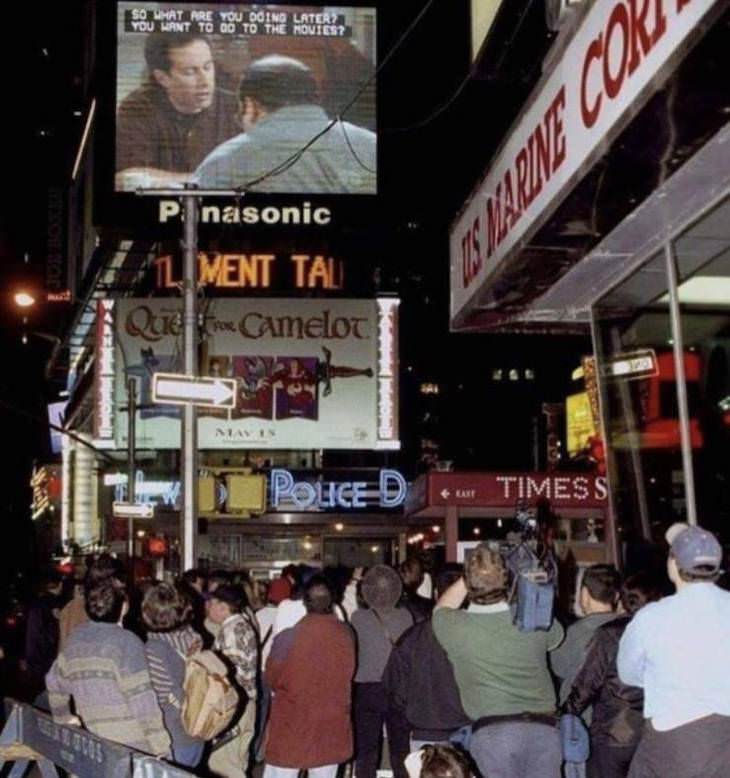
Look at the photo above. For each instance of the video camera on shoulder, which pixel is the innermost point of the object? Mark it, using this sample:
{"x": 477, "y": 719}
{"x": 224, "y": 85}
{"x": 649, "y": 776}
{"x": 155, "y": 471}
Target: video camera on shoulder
{"x": 534, "y": 574}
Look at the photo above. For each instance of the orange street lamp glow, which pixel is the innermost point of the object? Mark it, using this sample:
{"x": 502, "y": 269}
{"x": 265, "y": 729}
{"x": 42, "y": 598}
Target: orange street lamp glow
{"x": 24, "y": 300}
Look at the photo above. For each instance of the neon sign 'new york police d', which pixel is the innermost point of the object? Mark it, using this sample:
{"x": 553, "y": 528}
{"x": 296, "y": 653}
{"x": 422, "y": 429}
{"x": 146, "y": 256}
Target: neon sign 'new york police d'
{"x": 345, "y": 495}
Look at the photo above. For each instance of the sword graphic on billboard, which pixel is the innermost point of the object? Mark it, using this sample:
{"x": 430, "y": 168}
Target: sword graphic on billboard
{"x": 282, "y": 387}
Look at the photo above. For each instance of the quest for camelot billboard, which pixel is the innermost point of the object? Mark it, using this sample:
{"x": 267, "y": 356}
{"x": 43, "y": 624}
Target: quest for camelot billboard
{"x": 309, "y": 373}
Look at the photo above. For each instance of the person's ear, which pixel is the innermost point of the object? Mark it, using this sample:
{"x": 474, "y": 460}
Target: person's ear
{"x": 161, "y": 78}
{"x": 251, "y": 112}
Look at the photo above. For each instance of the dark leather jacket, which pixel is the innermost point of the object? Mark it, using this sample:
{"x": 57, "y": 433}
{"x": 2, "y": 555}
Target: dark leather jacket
{"x": 617, "y": 708}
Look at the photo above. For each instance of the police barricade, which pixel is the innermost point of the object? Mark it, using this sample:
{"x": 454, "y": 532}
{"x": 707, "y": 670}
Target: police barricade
{"x": 30, "y": 735}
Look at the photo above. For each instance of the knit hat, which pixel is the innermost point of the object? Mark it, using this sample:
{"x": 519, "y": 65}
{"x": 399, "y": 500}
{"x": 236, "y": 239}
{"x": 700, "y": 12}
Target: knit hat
{"x": 381, "y": 587}
{"x": 279, "y": 590}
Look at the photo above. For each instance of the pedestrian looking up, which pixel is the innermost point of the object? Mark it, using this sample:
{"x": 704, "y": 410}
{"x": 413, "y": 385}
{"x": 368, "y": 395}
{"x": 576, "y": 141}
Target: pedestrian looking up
{"x": 598, "y": 598}
{"x": 215, "y": 579}
{"x": 237, "y": 642}
{"x": 103, "y": 670}
{"x": 617, "y": 719}
{"x": 193, "y": 585}
{"x": 412, "y": 574}
{"x": 678, "y": 651}
{"x": 502, "y": 674}
{"x": 166, "y": 614}
{"x": 310, "y": 670}
{"x": 98, "y": 569}
{"x": 419, "y": 680}
{"x": 378, "y": 628}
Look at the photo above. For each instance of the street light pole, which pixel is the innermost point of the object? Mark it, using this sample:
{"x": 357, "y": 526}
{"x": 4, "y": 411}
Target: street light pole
{"x": 189, "y": 440}
{"x": 189, "y": 452}
{"x": 131, "y": 460}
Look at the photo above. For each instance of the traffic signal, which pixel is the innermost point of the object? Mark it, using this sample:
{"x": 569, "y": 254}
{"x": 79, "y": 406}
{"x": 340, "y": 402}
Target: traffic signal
{"x": 206, "y": 494}
{"x": 157, "y": 546}
{"x": 597, "y": 452}
{"x": 231, "y": 492}
{"x": 246, "y": 493}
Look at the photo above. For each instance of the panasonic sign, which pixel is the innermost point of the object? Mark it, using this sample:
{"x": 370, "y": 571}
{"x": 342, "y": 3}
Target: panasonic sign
{"x": 304, "y": 214}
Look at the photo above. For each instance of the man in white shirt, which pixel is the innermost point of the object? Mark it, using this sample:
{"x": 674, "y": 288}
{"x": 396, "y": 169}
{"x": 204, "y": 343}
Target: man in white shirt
{"x": 678, "y": 651}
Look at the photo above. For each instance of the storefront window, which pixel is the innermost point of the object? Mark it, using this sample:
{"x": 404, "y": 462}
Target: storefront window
{"x": 635, "y": 345}
{"x": 635, "y": 356}
{"x": 703, "y": 265}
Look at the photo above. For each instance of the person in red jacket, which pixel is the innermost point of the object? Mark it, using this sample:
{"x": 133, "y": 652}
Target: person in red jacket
{"x": 310, "y": 670}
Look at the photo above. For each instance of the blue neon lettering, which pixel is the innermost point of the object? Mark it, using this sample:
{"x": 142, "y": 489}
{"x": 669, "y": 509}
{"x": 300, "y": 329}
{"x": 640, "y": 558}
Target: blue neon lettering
{"x": 388, "y": 479}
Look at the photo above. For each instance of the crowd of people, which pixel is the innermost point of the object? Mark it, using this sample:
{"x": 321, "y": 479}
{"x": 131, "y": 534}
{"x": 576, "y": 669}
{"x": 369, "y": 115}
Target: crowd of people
{"x": 325, "y": 663}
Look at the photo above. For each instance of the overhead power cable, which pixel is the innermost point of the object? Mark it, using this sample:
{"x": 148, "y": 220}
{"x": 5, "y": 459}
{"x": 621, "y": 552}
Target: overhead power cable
{"x": 297, "y": 155}
{"x": 436, "y": 113}
{"x": 354, "y": 153}
{"x": 462, "y": 86}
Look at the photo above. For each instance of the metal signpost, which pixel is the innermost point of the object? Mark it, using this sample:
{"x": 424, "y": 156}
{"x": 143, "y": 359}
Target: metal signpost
{"x": 131, "y": 459}
{"x": 189, "y": 439}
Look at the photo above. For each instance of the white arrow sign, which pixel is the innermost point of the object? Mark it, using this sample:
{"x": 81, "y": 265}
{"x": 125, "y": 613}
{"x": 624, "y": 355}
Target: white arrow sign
{"x": 637, "y": 364}
{"x": 445, "y": 493}
{"x": 131, "y": 510}
{"x": 174, "y": 389}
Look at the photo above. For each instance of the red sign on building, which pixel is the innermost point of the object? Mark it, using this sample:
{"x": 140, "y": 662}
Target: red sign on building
{"x": 506, "y": 490}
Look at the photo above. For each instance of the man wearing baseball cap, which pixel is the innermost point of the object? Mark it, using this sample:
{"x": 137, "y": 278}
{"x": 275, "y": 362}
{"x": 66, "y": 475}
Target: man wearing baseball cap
{"x": 678, "y": 651}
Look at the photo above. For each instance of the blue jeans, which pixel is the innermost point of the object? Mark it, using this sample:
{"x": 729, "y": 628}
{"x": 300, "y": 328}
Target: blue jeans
{"x": 188, "y": 756}
{"x": 517, "y": 749}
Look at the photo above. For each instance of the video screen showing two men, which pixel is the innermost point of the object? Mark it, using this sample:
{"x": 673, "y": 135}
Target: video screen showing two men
{"x": 228, "y": 96}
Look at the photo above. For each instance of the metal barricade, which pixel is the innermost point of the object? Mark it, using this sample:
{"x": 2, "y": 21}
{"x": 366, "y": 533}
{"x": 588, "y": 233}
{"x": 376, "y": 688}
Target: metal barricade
{"x": 30, "y": 735}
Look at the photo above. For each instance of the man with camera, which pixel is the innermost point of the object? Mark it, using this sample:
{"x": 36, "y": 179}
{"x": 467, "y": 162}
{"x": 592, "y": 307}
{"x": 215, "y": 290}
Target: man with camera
{"x": 502, "y": 673}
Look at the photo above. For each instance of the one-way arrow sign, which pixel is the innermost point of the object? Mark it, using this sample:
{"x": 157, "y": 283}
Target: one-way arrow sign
{"x": 132, "y": 510}
{"x": 174, "y": 389}
{"x": 445, "y": 493}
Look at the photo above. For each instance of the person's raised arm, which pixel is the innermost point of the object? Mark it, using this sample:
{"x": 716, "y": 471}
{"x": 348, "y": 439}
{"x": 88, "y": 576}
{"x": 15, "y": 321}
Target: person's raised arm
{"x": 631, "y": 659}
{"x": 454, "y": 596}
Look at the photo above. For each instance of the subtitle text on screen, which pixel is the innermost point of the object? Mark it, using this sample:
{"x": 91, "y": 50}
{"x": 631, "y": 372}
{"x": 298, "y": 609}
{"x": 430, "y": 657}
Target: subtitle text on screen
{"x": 237, "y": 22}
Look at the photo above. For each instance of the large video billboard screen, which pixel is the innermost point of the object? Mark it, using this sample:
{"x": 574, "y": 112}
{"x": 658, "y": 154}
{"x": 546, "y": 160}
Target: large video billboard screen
{"x": 309, "y": 373}
{"x": 228, "y": 96}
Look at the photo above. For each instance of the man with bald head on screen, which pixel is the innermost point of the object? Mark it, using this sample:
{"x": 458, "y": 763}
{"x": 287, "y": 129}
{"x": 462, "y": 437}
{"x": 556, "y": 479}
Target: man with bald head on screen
{"x": 280, "y": 113}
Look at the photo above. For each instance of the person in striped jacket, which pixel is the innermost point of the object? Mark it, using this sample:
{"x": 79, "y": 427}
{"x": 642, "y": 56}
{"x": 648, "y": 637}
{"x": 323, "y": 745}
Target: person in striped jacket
{"x": 103, "y": 669}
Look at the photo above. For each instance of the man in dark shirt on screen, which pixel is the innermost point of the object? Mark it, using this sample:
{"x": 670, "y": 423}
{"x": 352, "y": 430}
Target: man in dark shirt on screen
{"x": 167, "y": 126}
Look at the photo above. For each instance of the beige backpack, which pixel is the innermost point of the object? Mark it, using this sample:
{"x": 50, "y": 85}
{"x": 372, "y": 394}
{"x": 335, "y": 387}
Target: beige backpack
{"x": 210, "y": 699}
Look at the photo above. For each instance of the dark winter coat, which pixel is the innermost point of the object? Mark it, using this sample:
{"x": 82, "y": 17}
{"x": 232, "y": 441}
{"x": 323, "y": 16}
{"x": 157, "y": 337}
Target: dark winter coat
{"x": 420, "y": 682}
{"x": 617, "y": 708}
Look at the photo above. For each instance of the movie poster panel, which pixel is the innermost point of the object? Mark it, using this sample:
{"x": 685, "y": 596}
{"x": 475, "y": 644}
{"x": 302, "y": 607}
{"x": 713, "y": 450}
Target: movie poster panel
{"x": 227, "y": 96}
{"x": 307, "y": 372}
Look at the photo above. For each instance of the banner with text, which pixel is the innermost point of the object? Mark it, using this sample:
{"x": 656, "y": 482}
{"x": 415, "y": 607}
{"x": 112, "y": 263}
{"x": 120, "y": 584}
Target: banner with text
{"x": 309, "y": 373}
{"x": 612, "y": 62}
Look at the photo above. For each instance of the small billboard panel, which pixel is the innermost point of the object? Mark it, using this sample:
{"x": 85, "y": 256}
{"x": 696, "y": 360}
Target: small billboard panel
{"x": 228, "y": 97}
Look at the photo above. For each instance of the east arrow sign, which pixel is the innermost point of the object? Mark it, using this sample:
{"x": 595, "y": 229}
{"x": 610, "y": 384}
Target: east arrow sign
{"x": 175, "y": 389}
